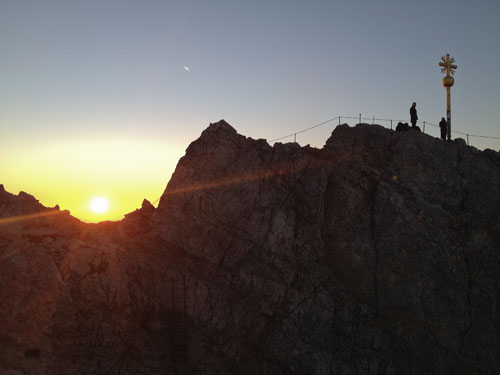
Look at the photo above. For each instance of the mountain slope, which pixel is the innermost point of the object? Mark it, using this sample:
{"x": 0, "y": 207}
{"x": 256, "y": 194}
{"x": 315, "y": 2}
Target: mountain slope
{"x": 377, "y": 254}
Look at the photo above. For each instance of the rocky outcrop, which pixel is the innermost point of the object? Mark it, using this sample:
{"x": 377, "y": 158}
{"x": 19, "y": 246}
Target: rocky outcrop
{"x": 377, "y": 254}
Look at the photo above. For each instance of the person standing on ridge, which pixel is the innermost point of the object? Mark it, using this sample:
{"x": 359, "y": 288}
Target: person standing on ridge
{"x": 444, "y": 127}
{"x": 413, "y": 115}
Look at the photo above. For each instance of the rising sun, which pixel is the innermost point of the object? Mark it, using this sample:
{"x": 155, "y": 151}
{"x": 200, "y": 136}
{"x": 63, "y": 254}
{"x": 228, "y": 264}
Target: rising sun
{"x": 99, "y": 205}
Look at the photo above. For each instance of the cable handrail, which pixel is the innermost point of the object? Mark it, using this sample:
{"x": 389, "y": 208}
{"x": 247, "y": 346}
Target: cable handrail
{"x": 373, "y": 119}
{"x": 304, "y": 130}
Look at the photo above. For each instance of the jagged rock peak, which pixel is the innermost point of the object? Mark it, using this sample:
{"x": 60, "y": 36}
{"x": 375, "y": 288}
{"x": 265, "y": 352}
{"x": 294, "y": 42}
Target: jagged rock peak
{"x": 147, "y": 206}
{"x": 219, "y": 130}
{"x": 222, "y": 133}
{"x": 217, "y": 135}
{"x": 146, "y": 209}
{"x": 27, "y": 197}
{"x": 11, "y": 204}
{"x": 220, "y": 125}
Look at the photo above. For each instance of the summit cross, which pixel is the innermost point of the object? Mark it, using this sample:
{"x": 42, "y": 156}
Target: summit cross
{"x": 447, "y": 65}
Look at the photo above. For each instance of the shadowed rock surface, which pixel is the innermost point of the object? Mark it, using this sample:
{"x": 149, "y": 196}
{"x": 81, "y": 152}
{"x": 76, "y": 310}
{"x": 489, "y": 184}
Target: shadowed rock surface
{"x": 377, "y": 254}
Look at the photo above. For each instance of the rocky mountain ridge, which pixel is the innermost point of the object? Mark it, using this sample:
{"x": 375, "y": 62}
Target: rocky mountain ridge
{"x": 377, "y": 254}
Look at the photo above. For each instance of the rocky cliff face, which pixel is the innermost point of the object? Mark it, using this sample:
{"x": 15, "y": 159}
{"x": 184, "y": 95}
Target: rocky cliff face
{"x": 377, "y": 254}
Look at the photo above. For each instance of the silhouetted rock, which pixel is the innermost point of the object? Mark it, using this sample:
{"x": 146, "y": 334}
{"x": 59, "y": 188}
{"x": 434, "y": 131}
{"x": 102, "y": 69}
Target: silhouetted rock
{"x": 402, "y": 127}
{"x": 377, "y": 254}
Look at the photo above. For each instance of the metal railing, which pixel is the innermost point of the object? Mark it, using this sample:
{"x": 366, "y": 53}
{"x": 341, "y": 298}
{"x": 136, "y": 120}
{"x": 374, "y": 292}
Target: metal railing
{"x": 360, "y": 119}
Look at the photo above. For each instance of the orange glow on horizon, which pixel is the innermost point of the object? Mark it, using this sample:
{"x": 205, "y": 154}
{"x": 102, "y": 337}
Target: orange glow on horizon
{"x": 70, "y": 172}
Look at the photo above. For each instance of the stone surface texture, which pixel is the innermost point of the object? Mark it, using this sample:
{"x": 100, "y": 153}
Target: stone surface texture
{"x": 377, "y": 254}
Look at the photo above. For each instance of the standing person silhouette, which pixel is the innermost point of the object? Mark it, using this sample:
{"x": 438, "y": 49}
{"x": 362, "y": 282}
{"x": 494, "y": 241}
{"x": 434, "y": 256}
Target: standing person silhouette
{"x": 443, "y": 124}
{"x": 413, "y": 115}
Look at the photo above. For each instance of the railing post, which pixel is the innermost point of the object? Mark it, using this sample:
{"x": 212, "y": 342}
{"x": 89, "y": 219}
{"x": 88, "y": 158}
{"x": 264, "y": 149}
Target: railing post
{"x": 391, "y": 124}
{"x": 424, "y": 126}
{"x": 467, "y": 139}
{"x": 295, "y": 138}
{"x": 360, "y": 118}
{"x": 373, "y": 120}
{"x": 340, "y": 117}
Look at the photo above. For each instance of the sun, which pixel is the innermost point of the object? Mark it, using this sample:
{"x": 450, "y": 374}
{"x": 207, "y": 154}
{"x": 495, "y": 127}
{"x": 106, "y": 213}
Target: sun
{"x": 99, "y": 205}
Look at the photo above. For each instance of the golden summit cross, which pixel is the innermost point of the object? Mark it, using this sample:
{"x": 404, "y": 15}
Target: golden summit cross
{"x": 447, "y": 65}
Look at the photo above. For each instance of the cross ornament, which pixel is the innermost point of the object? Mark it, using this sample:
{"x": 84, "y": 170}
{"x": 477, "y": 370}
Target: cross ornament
{"x": 447, "y": 65}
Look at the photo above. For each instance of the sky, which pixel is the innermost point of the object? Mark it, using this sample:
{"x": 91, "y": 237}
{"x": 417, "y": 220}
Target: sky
{"x": 96, "y": 100}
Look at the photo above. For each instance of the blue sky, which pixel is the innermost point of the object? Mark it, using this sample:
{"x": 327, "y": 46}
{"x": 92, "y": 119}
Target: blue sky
{"x": 114, "y": 70}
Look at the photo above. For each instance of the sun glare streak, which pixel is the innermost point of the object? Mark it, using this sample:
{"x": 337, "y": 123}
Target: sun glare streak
{"x": 262, "y": 174}
{"x": 14, "y": 219}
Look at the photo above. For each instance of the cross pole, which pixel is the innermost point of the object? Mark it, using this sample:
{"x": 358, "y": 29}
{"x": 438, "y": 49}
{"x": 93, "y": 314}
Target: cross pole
{"x": 448, "y": 68}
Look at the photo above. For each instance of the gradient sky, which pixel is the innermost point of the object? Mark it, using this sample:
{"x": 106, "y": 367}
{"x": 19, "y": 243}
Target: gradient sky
{"x": 95, "y": 100}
